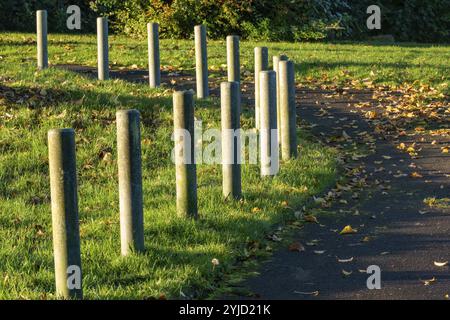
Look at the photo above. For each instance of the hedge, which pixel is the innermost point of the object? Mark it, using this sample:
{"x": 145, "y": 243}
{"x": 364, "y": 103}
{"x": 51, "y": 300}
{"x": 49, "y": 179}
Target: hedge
{"x": 272, "y": 20}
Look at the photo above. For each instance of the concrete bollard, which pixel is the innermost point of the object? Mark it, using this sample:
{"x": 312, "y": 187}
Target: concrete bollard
{"x": 276, "y": 61}
{"x": 261, "y": 63}
{"x": 186, "y": 172}
{"x": 231, "y": 142}
{"x": 201, "y": 62}
{"x": 41, "y": 33}
{"x": 288, "y": 112}
{"x": 102, "y": 48}
{"x": 233, "y": 63}
{"x": 269, "y": 148}
{"x": 64, "y": 204}
{"x": 130, "y": 181}
{"x": 153, "y": 55}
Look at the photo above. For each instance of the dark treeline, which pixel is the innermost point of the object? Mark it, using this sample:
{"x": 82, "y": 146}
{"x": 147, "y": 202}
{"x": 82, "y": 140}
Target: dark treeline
{"x": 271, "y": 20}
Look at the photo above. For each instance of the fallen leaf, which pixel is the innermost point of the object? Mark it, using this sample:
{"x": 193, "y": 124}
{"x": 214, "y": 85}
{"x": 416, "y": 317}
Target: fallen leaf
{"x": 348, "y": 230}
{"x": 428, "y": 282}
{"x": 346, "y": 273}
{"x": 296, "y": 246}
{"x": 275, "y": 238}
{"x": 441, "y": 264}
{"x": 313, "y": 293}
{"x": 310, "y": 218}
{"x": 256, "y": 210}
{"x": 284, "y": 204}
{"x": 345, "y": 260}
{"x": 401, "y": 146}
{"x": 371, "y": 114}
{"x": 107, "y": 157}
{"x": 416, "y": 175}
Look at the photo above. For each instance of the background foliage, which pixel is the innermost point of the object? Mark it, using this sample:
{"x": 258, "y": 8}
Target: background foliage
{"x": 292, "y": 20}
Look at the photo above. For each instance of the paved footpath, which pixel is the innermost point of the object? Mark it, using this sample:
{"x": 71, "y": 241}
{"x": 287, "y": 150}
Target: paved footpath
{"x": 396, "y": 230}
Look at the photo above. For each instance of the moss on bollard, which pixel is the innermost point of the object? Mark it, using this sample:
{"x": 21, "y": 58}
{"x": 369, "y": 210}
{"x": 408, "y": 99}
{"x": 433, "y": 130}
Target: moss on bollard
{"x": 102, "y": 49}
{"x": 261, "y": 64}
{"x": 230, "y": 118}
{"x": 288, "y": 112}
{"x": 201, "y": 61}
{"x": 153, "y": 55}
{"x": 130, "y": 181}
{"x": 276, "y": 62}
{"x": 233, "y": 62}
{"x": 269, "y": 148}
{"x": 186, "y": 175}
{"x": 64, "y": 204}
{"x": 41, "y": 35}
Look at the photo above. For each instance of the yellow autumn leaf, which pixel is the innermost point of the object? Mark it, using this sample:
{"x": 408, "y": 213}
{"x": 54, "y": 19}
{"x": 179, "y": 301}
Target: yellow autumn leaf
{"x": 416, "y": 175}
{"x": 256, "y": 210}
{"x": 348, "y": 230}
{"x": 371, "y": 114}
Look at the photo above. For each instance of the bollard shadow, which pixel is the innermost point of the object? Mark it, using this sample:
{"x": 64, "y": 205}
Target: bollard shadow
{"x": 173, "y": 80}
{"x": 170, "y": 80}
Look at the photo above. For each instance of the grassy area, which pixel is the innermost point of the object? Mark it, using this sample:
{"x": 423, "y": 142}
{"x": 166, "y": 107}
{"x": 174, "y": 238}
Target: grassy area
{"x": 327, "y": 62}
{"x": 179, "y": 252}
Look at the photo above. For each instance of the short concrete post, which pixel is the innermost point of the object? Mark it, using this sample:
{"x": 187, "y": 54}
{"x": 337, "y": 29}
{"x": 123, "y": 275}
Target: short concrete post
{"x": 276, "y": 61}
{"x": 41, "y": 32}
{"x": 153, "y": 55}
{"x": 64, "y": 204}
{"x": 231, "y": 142}
{"x": 233, "y": 63}
{"x": 261, "y": 63}
{"x": 269, "y": 148}
{"x": 102, "y": 48}
{"x": 288, "y": 112}
{"x": 130, "y": 181}
{"x": 201, "y": 62}
{"x": 186, "y": 173}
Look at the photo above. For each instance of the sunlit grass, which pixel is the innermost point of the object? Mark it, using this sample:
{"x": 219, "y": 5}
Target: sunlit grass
{"x": 178, "y": 253}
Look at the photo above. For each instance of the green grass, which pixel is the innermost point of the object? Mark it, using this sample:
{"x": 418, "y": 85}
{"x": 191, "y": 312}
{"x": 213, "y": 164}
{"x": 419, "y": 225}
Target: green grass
{"x": 179, "y": 252}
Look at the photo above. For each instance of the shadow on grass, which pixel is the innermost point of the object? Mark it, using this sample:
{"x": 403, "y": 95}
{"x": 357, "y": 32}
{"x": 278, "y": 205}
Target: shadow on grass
{"x": 231, "y": 229}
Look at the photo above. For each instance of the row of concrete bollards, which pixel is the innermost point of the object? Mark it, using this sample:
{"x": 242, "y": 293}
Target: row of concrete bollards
{"x": 63, "y": 177}
{"x": 275, "y": 120}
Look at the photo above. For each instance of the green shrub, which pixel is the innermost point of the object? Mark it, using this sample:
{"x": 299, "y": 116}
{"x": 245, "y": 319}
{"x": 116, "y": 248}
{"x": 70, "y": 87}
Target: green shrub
{"x": 268, "y": 20}
{"x": 258, "y": 20}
